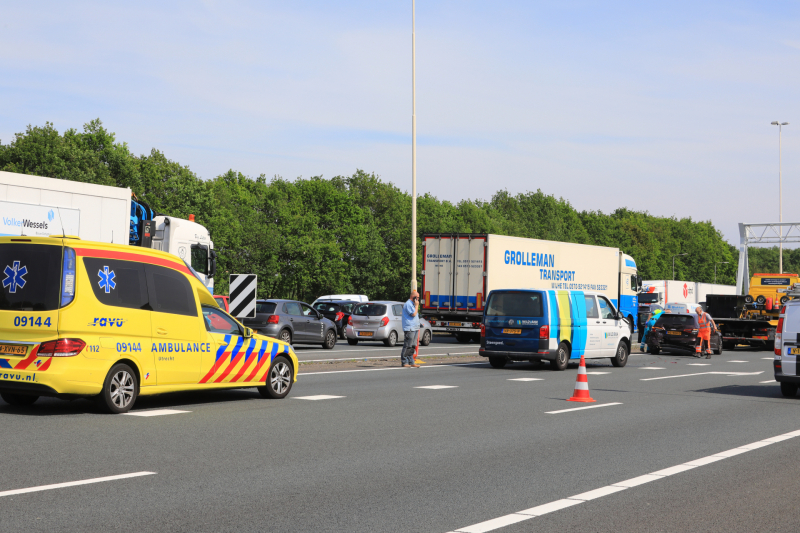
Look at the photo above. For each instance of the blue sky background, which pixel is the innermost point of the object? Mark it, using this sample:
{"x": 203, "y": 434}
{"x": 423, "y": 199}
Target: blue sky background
{"x": 663, "y": 107}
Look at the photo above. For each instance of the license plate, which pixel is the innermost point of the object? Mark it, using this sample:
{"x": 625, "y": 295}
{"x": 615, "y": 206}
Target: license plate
{"x": 455, "y": 324}
{"x": 512, "y": 331}
{"x": 365, "y": 334}
{"x": 13, "y": 349}
{"x": 673, "y": 333}
{"x": 794, "y": 351}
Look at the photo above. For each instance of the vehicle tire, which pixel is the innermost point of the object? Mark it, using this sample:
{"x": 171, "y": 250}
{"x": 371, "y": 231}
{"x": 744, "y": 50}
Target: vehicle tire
{"x": 18, "y": 400}
{"x": 631, "y": 323}
{"x": 769, "y": 346}
{"x": 728, "y": 345}
{"x": 392, "y": 340}
{"x": 463, "y": 338}
{"x": 788, "y": 389}
{"x": 352, "y": 342}
{"x": 286, "y": 336}
{"x": 655, "y": 351}
{"x": 761, "y": 300}
{"x": 498, "y": 362}
{"x": 621, "y": 358}
{"x": 330, "y": 340}
{"x": 343, "y": 335}
{"x": 562, "y": 358}
{"x": 120, "y": 390}
{"x": 784, "y": 299}
{"x": 718, "y": 351}
{"x": 748, "y": 299}
{"x": 426, "y": 339}
{"x": 279, "y": 379}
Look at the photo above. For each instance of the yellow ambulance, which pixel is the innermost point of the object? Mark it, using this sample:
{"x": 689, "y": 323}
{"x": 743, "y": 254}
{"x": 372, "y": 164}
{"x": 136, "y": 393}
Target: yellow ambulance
{"x": 89, "y": 319}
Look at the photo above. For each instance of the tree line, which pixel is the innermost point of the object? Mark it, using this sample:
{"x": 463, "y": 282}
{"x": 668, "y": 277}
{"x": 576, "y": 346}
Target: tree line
{"x": 352, "y": 234}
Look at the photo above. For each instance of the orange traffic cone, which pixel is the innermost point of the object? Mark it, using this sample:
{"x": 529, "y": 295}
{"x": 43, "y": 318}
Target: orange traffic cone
{"x": 581, "y": 393}
{"x": 416, "y": 353}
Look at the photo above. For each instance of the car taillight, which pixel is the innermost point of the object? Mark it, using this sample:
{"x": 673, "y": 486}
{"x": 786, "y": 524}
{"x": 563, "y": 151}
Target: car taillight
{"x": 384, "y": 321}
{"x": 61, "y": 348}
{"x": 350, "y": 320}
{"x": 273, "y": 319}
{"x": 778, "y": 337}
{"x": 690, "y": 330}
{"x": 483, "y": 330}
{"x": 544, "y": 332}
{"x": 339, "y": 316}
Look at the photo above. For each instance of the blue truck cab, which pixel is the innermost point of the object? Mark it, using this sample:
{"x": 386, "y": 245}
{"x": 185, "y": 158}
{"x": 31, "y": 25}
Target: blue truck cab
{"x": 552, "y": 325}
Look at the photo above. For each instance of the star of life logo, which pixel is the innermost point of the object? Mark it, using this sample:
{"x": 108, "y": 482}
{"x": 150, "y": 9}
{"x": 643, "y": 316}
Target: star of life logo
{"x": 14, "y": 277}
{"x": 106, "y": 279}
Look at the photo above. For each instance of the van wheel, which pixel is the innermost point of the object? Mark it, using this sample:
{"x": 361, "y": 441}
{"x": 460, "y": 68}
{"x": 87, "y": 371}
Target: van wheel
{"x": 788, "y": 389}
{"x": 498, "y": 362}
{"x": 392, "y": 340}
{"x": 119, "y": 390}
{"x": 279, "y": 379}
{"x": 426, "y": 339}
{"x": 330, "y": 340}
{"x": 621, "y": 359}
{"x": 18, "y": 400}
{"x": 352, "y": 342}
{"x": 562, "y": 358}
{"x": 285, "y": 336}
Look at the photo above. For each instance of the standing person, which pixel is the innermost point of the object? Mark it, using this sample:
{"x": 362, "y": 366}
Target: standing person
{"x": 648, "y": 328}
{"x": 410, "y": 330}
{"x": 703, "y": 332}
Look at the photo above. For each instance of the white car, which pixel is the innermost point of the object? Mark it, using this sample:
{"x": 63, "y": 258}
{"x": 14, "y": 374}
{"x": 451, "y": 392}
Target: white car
{"x": 787, "y": 348}
{"x": 351, "y": 297}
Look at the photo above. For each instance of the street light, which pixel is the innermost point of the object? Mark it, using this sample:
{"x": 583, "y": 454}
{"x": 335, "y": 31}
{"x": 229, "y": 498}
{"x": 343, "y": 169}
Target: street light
{"x": 780, "y": 188}
{"x": 413, "y": 151}
{"x": 715, "y": 268}
{"x": 673, "y": 264}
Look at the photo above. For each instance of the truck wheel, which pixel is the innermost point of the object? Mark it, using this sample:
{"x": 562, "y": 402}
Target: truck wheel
{"x": 120, "y": 390}
{"x": 621, "y": 358}
{"x": 352, "y": 342}
{"x": 788, "y": 389}
{"x": 728, "y": 345}
{"x": 498, "y": 362}
{"x": 330, "y": 340}
{"x": 18, "y": 400}
{"x": 426, "y": 339}
{"x": 392, "y": 340}
{"x": 562, "y": 358}
{"x": 279, "y": 379}
{"x": 463, "y": 338}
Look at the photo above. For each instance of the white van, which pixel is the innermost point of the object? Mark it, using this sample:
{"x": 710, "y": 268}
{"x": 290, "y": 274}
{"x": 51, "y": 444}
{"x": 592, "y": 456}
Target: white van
{"x": 787, "y": 348}
{"x": 352, "y": 297}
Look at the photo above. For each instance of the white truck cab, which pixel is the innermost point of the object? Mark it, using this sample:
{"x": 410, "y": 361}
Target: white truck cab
{"x": 787, "y": 348}
{"x": 188, "y": 240}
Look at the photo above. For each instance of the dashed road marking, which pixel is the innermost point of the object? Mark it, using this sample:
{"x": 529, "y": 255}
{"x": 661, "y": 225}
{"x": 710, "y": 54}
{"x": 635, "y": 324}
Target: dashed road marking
{"x": 738, "y": 361}
{"x": 526, "y": 379}
{"x": 768, "y": 381}
{"x": 598, "y": 373}
{"x": 582, "y": 408}
{"x": 437, "y": 387}
{"x": 74, "y": 483}
{"x": 317, "y": 397}
{"x": 768, "y": 358}
{"x": 653, "y": 368}
{"x": 520, "y": 516}
{"x": 705, "y": 374}
{"x": 156, "y": 412}
{"x": 698, "y": 364}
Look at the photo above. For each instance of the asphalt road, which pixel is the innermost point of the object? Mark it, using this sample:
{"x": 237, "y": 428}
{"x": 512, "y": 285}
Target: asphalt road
{"x": 381, "y": 454}
{"x": 440, "y": 345}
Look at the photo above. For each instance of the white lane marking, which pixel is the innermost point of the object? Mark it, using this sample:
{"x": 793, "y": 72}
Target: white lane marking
{"x": 582, "y": 408}
{"x": 317, "y": 397}
{"x": 768, "y": 381}
{"x": 526, "y": 379}
{"x": 706, "y": 374}
{"x": 738, "y": 361}
{"x": 356, "y": 358}
{"x": 437, "y": 387}
{"x": 366, "y": 348}
{"x": 156, "y": 412}
{"x": 698, "y": 364}
{"x": 653, "y": 368}
{"x": 74, "y": 483}
{"x": 598, "y": 373}
{"x": 513, "y": 518}
{"x": 300, "y": 374}
{"x": 768, "y": 358}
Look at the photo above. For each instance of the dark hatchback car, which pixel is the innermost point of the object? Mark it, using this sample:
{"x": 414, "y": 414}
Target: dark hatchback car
{"x": 292, "y": 322}
{"x": 337, "y": 311}
{"x": 678, "y": 333}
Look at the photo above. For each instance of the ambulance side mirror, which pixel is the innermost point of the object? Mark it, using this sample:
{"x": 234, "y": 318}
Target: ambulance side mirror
{"x": 248, "y": 333}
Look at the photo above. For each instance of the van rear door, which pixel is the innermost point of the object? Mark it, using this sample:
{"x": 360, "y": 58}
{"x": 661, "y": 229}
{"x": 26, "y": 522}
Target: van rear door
{"x": 513, "y": 320}
{"x": 31, "y": 295}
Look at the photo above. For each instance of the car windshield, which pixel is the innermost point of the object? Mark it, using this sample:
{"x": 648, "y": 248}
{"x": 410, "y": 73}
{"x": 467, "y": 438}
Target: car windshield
{"x": 648, "y": 298}
{"x": 327, "y": 307}
{"x": 675, "y": 320}
{"x": 370, "y": 310}
{"x": 347, "y": 308}
{"x": 528, "y": 304}
{"x": 266, "y": 308}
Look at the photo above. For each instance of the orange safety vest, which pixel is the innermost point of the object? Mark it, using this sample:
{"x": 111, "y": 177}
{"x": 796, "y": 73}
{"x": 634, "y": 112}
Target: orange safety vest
{"x": 704, "y": 330}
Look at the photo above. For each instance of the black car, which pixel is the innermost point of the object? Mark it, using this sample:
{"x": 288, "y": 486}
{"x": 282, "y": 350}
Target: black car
{"x": 678, "y": 332}
{"x": 292, "y": 322}
{"x": 337, "y": 311}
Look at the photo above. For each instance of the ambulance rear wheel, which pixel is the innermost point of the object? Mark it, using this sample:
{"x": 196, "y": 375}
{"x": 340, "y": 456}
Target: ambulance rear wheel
{"x": 788, "y": 389}
{"x": 498, "y": 362}
{"x": 18, "y": 400}
{"x": 279, "y": 379}
{"x": 621, "y": 358}
{"x": 120, "y": 390}
{"x": 562, "y": 358}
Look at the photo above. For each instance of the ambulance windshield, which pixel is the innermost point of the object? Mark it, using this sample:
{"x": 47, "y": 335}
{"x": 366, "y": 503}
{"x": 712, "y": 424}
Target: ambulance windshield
{"x": 31, "y": 277}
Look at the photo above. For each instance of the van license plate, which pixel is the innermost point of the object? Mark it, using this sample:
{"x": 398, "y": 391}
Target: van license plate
{"x": 673, "y": 333}
{"x": 512, "y": 331}
{"x": 13, "y": 349}
{"x": 794, "y": 351}
{"x": 365, "y": 334}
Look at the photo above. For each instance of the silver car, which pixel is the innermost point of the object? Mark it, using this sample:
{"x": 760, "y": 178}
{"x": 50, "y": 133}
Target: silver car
{"x": 382, "y": 321}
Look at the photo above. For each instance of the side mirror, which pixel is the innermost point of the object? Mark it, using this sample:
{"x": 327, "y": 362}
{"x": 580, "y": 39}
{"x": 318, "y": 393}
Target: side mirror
{"x": 248, "y": 333}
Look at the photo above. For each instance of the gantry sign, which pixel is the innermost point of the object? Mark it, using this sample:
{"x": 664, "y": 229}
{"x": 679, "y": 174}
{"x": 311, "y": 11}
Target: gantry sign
{"x": 777, "y": 233}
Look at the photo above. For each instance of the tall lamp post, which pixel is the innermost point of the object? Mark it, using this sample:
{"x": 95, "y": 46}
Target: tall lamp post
{"x": 413, "y": 150}
{"x": 673, "y": 264}
{"x": 780, "y": 188}
{"x": 715, "y": 268}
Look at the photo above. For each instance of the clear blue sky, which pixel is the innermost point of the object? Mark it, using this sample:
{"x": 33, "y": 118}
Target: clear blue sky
{"x": 663, "y": 107}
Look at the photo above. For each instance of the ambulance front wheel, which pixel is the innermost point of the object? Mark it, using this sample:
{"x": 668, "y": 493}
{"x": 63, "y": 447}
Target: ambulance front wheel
{"x": 621, "y": 357}
{"x": 279, "y": 379}
{"x": 18, "y": 400}
{"x": 120, "y": 390}
{"x": 562, "y": 358}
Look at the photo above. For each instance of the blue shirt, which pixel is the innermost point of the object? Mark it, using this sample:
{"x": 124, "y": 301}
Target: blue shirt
{"x": 410, "y": 323}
